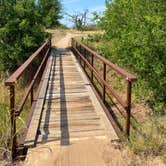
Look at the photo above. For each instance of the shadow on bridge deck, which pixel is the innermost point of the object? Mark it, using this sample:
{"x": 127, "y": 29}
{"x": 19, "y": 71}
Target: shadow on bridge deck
{"x": 70, "y": 110}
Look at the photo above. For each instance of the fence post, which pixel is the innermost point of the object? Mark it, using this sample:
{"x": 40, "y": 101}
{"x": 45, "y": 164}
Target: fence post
{"x": 129, "y": 86}
{"x": 76, "y": 49}
{"x": 13, "y": 121}
{"x": 92, "y": 63}
{"x": 104, "y": 77}
{"x": 50, "y": 44}
{"x": 80, "y": 50}
{"x": 72, "y": 43}
{"x": 84, "y": 57}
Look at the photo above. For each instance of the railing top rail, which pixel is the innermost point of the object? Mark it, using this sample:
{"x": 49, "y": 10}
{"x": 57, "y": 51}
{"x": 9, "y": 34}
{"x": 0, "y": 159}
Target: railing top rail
{"x": 15, "y": 76}
{"x": 116, "y": 68}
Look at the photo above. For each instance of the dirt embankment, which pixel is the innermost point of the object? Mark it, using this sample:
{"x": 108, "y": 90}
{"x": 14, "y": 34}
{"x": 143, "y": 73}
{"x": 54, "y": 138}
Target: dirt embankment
{"x": 97, "y": 152}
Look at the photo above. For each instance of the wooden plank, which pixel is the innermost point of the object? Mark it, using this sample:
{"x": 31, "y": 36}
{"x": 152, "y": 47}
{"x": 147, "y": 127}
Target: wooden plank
{"x": 68, "y": 118}
{"x": 65, "y": 91}
{"x": 64, "y": 74}
{"x": 67, "y": 87}
{"x": 73, "y": 132}
{"x": 73, "y": 123}
{"x": 57, "y": 136}
{"x": 73, "y": 128}
{"x": 76, "y": 108}
{"x": 64, "y": 105}
{"x": 68, "y": 99}
{"x": 55, "y": 83}
{"x": 63, "y": 80}
{"x": 69, "y": 113}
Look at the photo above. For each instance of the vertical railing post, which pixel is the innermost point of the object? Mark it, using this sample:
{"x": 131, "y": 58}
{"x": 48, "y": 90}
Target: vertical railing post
{"x": 49, "y": 48}
{"x": 129, "y": 86}
{"x": 80, "y": 56}
{"x": 76, "y": 48}
{"x": 31, "y": 78}
{"x": 13, "y": 121}
{"x": 50, "y": 44}
{"x": 92, "y": 63}
{"x": 104, "y": 77}
{"x": 72, "y": 43}
{"x": 85, "y": 57}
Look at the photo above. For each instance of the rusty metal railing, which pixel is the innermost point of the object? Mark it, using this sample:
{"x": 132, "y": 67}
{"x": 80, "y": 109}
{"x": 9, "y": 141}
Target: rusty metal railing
{"x": 42, "y": 53}
{"x": 81, "y": 51}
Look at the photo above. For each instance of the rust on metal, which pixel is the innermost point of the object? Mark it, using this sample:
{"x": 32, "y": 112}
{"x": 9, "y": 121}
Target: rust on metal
{"x": 13, "y": 78}
{"x": 31, "y": 78}
{"x": 77, "y": 47}
{"x": 129, "y": 87}
{"x": 45, "y": 48}
{"x": 13, "y": 121}
{"x": 21, "y": 139}
{"x": 31, "y": 85}
{"x": 104, "y": 77}
{"x": 103, "y": 81}
{"x": 116, "y": 68}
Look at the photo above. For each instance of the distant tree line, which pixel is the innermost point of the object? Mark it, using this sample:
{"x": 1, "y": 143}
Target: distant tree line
{"x": 22, "y": 25}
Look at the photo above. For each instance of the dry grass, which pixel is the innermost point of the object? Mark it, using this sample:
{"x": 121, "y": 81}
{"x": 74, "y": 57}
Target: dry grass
{"x": 5, "y": 137}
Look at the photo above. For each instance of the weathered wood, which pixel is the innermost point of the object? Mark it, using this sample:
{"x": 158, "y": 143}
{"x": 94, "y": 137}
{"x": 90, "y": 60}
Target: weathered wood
{"x": 68, "y": 106}
{"x": 57, "y": 136}
{"x": 81, "y": 117}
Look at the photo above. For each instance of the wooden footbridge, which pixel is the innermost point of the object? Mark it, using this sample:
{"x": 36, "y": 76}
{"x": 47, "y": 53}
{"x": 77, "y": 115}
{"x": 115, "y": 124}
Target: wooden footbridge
{"x": 64, "y": 103}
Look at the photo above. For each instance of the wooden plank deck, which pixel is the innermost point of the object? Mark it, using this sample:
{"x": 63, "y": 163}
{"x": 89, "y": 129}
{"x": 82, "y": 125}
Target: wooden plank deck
{"x": 67, "y": 108}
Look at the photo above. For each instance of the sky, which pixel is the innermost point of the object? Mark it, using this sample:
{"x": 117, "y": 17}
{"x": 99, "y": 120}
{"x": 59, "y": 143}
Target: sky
{"x": 71, "y": 6}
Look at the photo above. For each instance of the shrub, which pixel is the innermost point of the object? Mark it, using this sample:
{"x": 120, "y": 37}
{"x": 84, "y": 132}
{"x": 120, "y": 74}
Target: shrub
{"x": 136, "y": 30}
{"x": 21, "y": 32}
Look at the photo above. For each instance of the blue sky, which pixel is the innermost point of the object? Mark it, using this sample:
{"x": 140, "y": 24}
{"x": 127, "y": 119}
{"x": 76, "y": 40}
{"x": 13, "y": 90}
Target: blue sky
{"x": 71, "y": 6}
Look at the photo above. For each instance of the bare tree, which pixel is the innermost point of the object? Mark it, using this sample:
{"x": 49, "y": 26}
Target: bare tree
{"x": 79, "y": 19}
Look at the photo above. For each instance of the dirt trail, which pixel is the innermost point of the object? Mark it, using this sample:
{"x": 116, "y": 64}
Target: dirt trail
{"x": 65, "y": 41}
{"x": 94, "y": 152}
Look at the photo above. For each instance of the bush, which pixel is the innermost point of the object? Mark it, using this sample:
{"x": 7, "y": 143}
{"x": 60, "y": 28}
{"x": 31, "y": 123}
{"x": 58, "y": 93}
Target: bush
{"x": 21, "y": 32}
{"x": 136, "y": 30}
{"x": 50, "y": 11}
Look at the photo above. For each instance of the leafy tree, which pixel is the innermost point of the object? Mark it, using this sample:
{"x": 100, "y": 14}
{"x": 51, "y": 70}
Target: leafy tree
{"x": 21, "y": 32}
{"x": 50, "y": 11}
{"x": 136, "y": 30}
{"x": 97, "y": 18}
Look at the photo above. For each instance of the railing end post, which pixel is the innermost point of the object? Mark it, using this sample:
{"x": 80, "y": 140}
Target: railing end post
{"x": 128, "y": 109}
{"x": 13, "y": 121}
